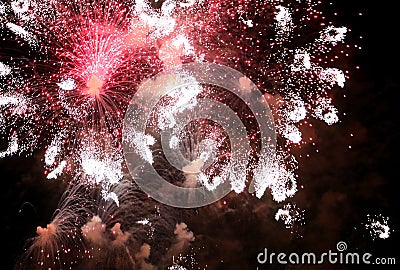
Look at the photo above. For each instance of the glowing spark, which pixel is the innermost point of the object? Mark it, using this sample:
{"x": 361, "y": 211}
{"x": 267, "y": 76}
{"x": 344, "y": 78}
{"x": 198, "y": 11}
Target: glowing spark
{"x": 20, "y": 6}
{"x": 67, "y": 84}
{"x": 333, "y": 76}
{"x": 145, "y": 221}
{"x": 292, "y": 133}
{"x": 289, "y": 214}
{"x": 4, "y": 70}
{"x": 284, "y": 22}
{"x": 20, "y": 31}
{"x": 12, "y": 147}
{"x": 301, "y": 61}
{"x": 141, "y": 142}
{"x": 326, "y": 111}
{"x": 275, "y": 176}
{"x": 378, "y": 226}
{"x": 112, "y": 196}
{"x": 333, "y": 34}
{"x": 57, "y": 171}
{"x": 176, "y": 267}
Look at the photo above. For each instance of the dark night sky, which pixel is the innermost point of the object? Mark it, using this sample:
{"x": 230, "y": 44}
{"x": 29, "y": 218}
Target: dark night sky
{"x": 342, "y": 185}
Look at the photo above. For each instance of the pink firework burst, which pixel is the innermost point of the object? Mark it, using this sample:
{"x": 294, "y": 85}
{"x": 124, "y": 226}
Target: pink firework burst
{"x": 85, "y": 60}
{"x": 77, "y": 69}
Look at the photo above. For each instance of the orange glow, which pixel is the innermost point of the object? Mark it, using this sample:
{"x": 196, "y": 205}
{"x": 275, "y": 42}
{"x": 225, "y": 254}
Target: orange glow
{"x": 94, "y": 85}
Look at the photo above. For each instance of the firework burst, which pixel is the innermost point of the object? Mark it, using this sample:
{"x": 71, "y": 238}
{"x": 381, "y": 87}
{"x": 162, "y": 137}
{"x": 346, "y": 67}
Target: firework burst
{"x": 69, "y": 69}
{"x": 76, "y": 79}
{"x": 60, "y": 244}
{"x": 81, "y": 62}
